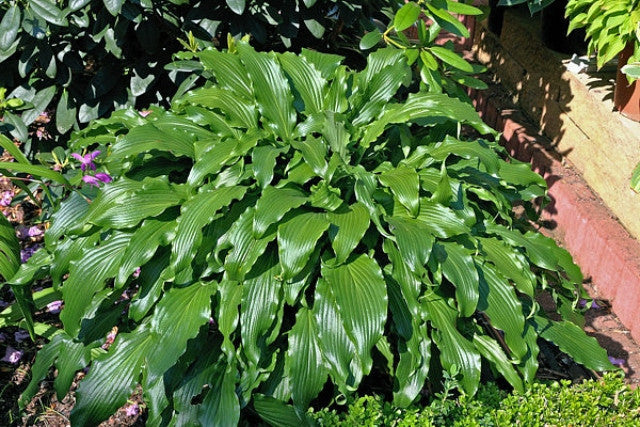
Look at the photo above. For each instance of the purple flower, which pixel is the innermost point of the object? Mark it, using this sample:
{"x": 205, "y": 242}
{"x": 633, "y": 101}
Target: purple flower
{"x": 145, "y": 113}
{"x": 28, "y": 252}
{"x": 6, "y": 197}
{"x": 3, "y": 337}
{"x": 136, "y": 273}
{"x": 132, "y": 410}
{"x": 104, "y": 177}
{"x": 86, "y": 161}
{"x": 616, "y": 361}
{"x": 54, "y": 307}
{"x": 12, "y": 355}
{"x": 3, "y": 305}
{"x": 21, "y": 335}
{"x": 98, "y": 179}
{"x": 25, "y": 232}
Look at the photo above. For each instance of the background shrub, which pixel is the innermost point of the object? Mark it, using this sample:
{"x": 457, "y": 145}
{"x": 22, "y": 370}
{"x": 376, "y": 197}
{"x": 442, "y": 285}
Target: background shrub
{"x": 81, "y": 59}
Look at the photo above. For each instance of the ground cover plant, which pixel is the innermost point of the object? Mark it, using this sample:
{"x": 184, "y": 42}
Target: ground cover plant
{"x": 606, "y": 401}
{"x": 286, "y": 232}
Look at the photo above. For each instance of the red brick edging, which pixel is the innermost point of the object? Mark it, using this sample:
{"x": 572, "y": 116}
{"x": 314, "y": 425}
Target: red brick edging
{"x": 605, "y": 251}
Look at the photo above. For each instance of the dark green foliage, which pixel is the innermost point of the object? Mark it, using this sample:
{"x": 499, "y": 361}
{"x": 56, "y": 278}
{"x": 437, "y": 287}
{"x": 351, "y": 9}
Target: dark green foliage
{"x": 333, "y": 227}
{"x": 84, "y": 58}
{"x": 607, "y": 401}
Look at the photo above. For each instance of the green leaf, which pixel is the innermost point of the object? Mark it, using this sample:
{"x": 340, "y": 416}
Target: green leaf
{"x": 297, "y": 238}
{"x": 245, "y": 249}
{"x": 220, "y": 406}
{"x": 9, "y": 249}
{"x": 432, "y": 107}
{"x": 145, "y": 138}
{"x": 261, "y": 301}
{"x": 499, "y": 301}
{"x": 458, "y": 267}
{"x": 575, "y": 342}
{"x": 99, "y": 263}
{"x": 229, "y": 72}
{"x": 237, "y": 6}
{"x": 277, "y": 413}
{"x": 370, "y": 39}
{"x": 361, "y": 297}
{"x": 415, "y": 242}
{"x": 47, "y": 10}
{"x": 195, "y": 213}
{"x": 406, "y": 16}
{"x": 490, "y": 350}
{"x": 113, "y": 6}
{"x": 337, "y": 345}
{"x": 307, "y": 80}
{"x": 405, "y": 186}
{"x": 375, "y": 86}
{"x": 455, "y": 349}
{"x": 37, "y": 171}
{"x": 635, "y": 178}
{"x": 273, "y": 205}
{"x": 70, "y": 212}
{"x": 112, "y": 378}
{"x": 144, "y": 244}
{"x": 148, "y": 198}
{"x": 303, "y": 362}
{"x": 9, "y": 27}
{"x": 351, "y": 227}
{"x": 177, "y": 318}
{"x": 44, "y": 360}
{"x": 462, "y": 8}
{"x": 65, "y": 114}
{"x": 239, "y": 111}
{"x": 272, "y": 91}
{"x": 510, "y": 263}
{"x": 263, "y": 159}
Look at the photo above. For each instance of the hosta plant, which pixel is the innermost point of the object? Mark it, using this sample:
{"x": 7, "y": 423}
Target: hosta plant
{"x": 296, "y": 227}
{"x": 610, "y": 26}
